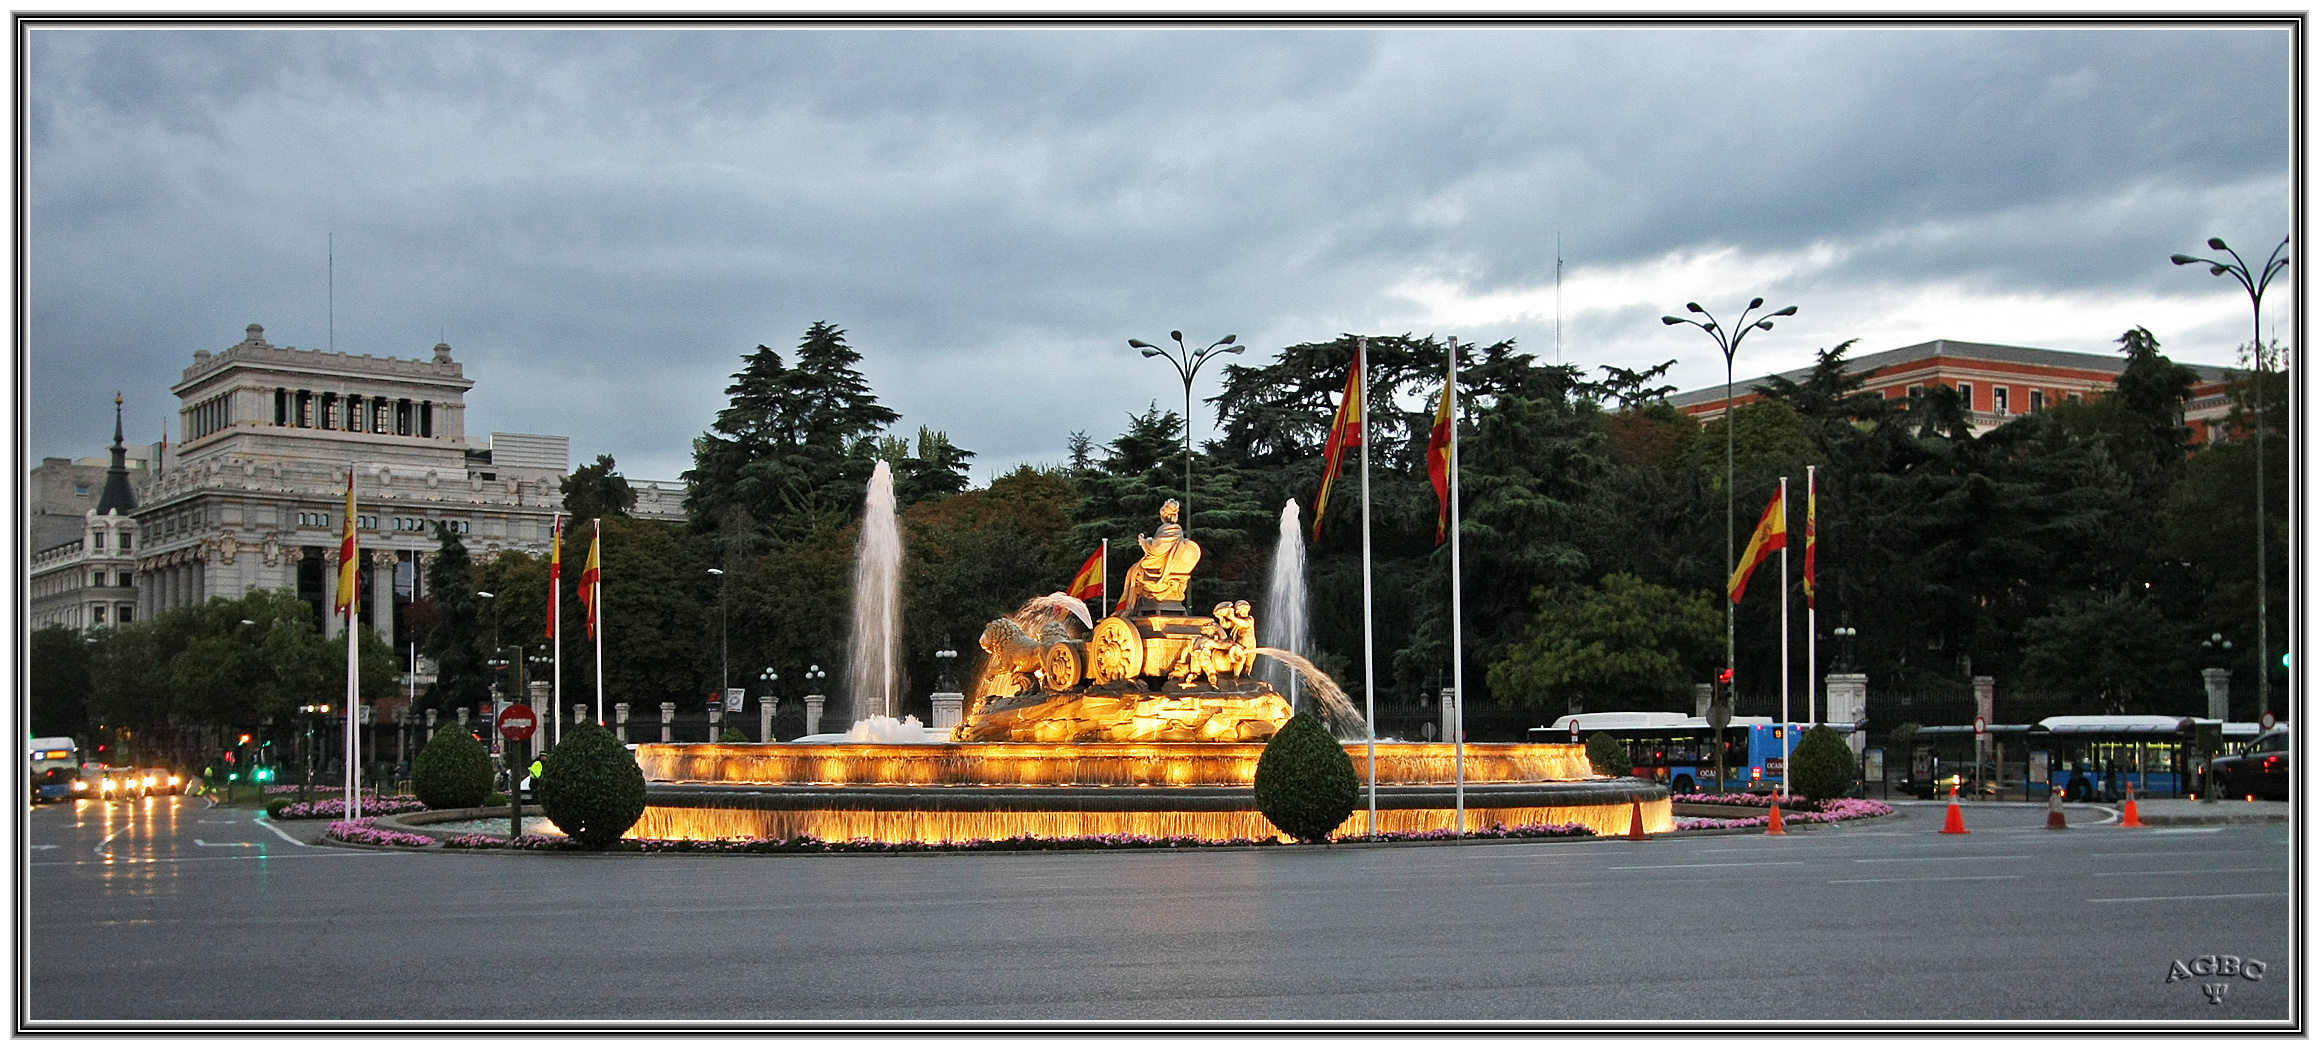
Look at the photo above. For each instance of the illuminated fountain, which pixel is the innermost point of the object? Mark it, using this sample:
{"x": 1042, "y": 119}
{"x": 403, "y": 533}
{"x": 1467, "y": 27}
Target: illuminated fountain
{"x": 877, "y": 620}
{"x": 1147, "y": 721}
{"x": 1287, "y": 616}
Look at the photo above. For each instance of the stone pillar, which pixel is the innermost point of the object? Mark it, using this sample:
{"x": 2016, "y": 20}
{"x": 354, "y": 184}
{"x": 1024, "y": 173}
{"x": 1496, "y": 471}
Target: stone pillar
{"x": 765, "y": 720}
{"x": 330, "y": 617}
{"x": 949, "y": 710}
{"x": 2217, "y": 693}
{"x": 543, "y": 705}
{"x": 1985, "y": 698}
{"x": 667, "y": 719}
{"x": 579, "y": 714}
{"x": 1702, "y": 698}
{"x": 431, "y": 713}
{"x": 1848, "y": 706}
{"x": 462, "y": 718}
{"x": 382, "y": 596}
{"x": 1449, "y": 724}
{"x": 813, "y": 706}
{"x": 716, "y": 717}
{"x": 620, "y": 721}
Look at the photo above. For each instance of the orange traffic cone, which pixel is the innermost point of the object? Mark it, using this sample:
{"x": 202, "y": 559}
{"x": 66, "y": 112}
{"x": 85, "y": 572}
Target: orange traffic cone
{"x": 1635, "y": 832}
{"x": 1776, "y": 827}
{"x": 2133, "y": 817}
{"x": 1956, "y": 824}
{"x": 2054, "y": 821}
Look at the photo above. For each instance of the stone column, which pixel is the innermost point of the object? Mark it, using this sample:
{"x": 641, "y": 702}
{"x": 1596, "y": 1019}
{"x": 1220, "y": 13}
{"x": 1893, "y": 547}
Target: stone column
{"x": 543, "y": 701}
{"x": 1848, "y": 706}
{"x": 1702, "y": 698}
{"x": 1449, "y": 715}
{"x": 620, "y": 721}
{"x": 667, "y": 719}
{"x": 382, "y": 596}
{"x": 2217, "y": 693}
{"x": 330, "y": 617}
{"x": 765, "y": 720}
{"x": 579, "y": 714}
{"x": 949, "y": 710}
{"x": 431, "y": 713}
{"x": 813, "y": 706}
{"x": 1985, "y": 698}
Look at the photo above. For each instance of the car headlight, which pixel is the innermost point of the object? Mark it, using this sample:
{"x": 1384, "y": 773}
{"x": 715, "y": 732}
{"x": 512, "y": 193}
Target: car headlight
{"x": 80, "y": 785}
{"x": 172, "y": 780}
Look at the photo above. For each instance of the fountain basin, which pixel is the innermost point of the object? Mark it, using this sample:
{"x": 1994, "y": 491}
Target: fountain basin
{"x": 969, "y": 792}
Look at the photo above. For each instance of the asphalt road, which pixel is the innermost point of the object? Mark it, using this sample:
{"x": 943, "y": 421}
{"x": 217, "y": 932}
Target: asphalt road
{"x": 170, "y": 911}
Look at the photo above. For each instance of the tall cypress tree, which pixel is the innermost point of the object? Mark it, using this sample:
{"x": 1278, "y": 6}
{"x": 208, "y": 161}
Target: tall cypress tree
{"x": 790, "y": 446}
{"x": 461, "y": 679}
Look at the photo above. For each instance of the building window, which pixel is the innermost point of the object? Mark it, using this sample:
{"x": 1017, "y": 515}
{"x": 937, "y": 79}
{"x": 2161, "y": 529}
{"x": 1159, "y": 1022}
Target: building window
{"x": 2072, "y": 396}
{"x": 1916, "y": 390}
{"x": 314, "y": 519}
{"x": 96, "y": 614}
{"x": 366, "y": 521}
{"x": 403, "y": 417}
{"x": 426, "y": 419}
{"x": 305, "y": 409}
{"x": 96, "y": 579}
{"x": 2001, "y": 399}
{"x": 127, "y": 613}
{"x": 281, "y": 407}
{"x": 80, "y": 490}
{"x": 126, "y": 539}
{"x": 122, "y": 580}
{"x": 97, "y": 540}
{"x": 1965, "y": 395}
{"x": 2037, "y": 401}
{"x": 329, "y": 412}
{"x": 354, "y": 419}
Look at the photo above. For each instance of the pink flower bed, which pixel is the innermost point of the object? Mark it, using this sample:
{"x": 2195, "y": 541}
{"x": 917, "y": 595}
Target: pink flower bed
{"x": 365, "y": 832}
{"x": 336, "y": 807}
{"x": 1829, "y": 811}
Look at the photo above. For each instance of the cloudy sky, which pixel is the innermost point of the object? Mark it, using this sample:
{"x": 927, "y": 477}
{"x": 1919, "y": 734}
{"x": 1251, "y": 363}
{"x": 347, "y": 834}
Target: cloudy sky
{"x": 601, "y": 222}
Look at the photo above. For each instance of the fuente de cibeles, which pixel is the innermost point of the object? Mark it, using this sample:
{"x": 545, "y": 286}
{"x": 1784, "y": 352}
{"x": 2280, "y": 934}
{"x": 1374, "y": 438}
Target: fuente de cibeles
{"x": 1146, "y": 722}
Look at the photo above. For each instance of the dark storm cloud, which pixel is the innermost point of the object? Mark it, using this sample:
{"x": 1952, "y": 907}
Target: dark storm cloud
{"x": 601, "y": 223}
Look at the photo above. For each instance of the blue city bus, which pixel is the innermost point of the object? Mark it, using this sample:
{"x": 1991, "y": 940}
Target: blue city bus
{"x": 2095, "y": 757}
{"x": 1678, "y": 750}
{"x": 56, "y": 764}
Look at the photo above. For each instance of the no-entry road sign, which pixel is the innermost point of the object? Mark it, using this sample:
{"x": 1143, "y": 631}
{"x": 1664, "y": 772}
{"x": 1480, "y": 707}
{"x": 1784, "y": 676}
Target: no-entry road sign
{"x": 517, "y": 722}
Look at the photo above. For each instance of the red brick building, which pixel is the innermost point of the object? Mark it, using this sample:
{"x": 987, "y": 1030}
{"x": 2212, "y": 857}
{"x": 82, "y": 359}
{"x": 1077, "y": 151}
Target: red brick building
{"x": 1998, "y": 382}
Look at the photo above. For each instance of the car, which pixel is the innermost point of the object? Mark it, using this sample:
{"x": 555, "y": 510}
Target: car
{"x": 2258, "y": 772}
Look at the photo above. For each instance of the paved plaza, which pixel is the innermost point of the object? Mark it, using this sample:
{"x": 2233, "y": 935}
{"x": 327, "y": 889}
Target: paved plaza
{"x": 171, "y": 911}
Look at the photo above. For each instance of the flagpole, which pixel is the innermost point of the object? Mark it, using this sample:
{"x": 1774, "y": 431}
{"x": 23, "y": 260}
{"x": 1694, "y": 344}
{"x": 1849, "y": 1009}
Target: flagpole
{"x": 1456, "y": 591}
{"x": 1104, "y": 605}
{"x": 1811, "y": 594}
{"x": 1786, "y": 730}
{"x": 1368, "y": 637}
{"x": 596, "y": 613}
{"x": 353, "y": 778}
{"x": 556, "y": 625}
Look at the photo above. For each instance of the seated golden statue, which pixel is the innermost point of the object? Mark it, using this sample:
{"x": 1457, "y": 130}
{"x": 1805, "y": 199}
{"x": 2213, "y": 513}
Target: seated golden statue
{"x": 1167, "y": 563}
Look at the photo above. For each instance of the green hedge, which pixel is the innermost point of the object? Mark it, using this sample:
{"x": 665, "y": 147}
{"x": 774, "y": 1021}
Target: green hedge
{"x": 1305, "y": 783}
{"x": 591, "y": 787}
{"x": 453, "y": 771}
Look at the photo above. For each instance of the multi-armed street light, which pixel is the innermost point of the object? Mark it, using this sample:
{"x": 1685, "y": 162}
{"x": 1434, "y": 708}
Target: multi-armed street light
{"x": 1728, "y": 342}
{"x": 1187, "y": 362}
{"x": 2254, "y": 283}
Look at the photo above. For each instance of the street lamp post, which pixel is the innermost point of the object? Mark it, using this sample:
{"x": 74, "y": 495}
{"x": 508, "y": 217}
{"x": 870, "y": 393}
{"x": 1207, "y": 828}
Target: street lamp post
{"x": 2237, "y": 269}
{"x": 1728, "y": 342}
{"x": 724, "y": 636}
{"x": 1187, "y": 362}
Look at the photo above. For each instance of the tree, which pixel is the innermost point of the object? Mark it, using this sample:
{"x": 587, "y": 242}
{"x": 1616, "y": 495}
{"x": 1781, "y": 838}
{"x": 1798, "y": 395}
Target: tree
{"x": 1628, "y": 645}
{"x": 790, "y": 447}
{"x": 1823, "y": 764}
{"x": 453, "y": 771}
{"x": 59, "y": 673}
{"x": 2114, "y": 654}
{"x": 461, "y": 679}
{"x": 591, "y": 787}
{"x": 597, "y": 490}
{"x": 938, "y": 469}
{"x": 1305, "y": 783}
{"x": 1609, "y": 756}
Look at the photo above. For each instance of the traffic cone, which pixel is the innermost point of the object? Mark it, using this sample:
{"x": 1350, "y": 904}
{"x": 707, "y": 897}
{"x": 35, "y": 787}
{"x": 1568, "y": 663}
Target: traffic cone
{"x": 1956, "y": 824}
{"x": 2133, "y": 817}
{"x": 1776, "y": 827}
{"x": 1635, "y": 832}
{"x": 2054, "y": 821}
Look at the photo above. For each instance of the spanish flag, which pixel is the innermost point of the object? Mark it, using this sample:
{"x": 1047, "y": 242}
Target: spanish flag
{"x": 1087, "y": 586}
{"x": 1771, "y": 534}
{"x": 349, "y": 557}
{"x": 1811, "y": 537}
{"x": 591, "y": 577}
{"x": 1437, "y": 463}
{"x": 555, "y": 574}
{"x": 1344, "y": 433}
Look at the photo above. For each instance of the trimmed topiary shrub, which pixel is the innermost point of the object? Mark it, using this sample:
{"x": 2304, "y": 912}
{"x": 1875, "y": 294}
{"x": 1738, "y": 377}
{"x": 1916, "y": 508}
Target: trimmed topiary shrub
{"x": 453, "y": 771}
{"x": 1609, "y": 756}
{"x": 1304, "y": 780}
{"x": 1823, "y": 764}
{"x": 591, "y": 787}
{"x": 733, "y": 735}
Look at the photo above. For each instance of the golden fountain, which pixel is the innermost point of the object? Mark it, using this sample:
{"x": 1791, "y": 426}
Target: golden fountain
{"x": 1150, "y": 723}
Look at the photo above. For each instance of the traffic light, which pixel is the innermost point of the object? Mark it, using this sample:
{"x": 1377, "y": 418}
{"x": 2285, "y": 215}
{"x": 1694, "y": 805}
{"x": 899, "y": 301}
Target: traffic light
{"x": 245, "y": 738}
{"x": 229, "y": 758}
{"x": 263, "y": 774}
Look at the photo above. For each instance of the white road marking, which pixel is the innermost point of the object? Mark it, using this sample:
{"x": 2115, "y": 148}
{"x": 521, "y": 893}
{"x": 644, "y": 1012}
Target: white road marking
{"x": 1931, "y": 878}
{"x": 2182, "y": 871}
{"x": 214, "y": 845}
{"x": 2186, "y": 831}
{"x": 2181, "y": 852}
{"x": 1722, "y": 864}
{"x": 39, "y": 846}
{"x": 1913, "y": 860}
{"x": 2198, "y": 897}
{"x": 269, "y": 826}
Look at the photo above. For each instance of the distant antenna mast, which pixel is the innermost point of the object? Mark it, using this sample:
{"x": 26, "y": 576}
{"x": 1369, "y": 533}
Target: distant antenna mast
{"x": 330, "y": 254}
{"x": 1558, "y": 297}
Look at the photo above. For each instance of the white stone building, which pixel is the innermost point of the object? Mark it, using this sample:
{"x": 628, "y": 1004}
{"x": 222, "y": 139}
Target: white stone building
{"x": 255, "y": 493}
{"x": 83, "y": 571}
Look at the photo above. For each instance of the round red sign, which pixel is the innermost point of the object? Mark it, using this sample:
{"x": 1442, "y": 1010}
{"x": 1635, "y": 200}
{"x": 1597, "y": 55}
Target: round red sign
{"x": 517, "y": 722}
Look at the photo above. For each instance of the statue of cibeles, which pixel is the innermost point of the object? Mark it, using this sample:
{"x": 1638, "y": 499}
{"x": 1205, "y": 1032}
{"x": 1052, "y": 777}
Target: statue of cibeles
{"x": 1166, "y": 566}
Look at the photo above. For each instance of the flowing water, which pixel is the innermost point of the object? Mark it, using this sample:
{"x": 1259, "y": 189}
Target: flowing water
{"x": 1287, "y": 619}
{"x": 1344, "y": 721}
{"x": 877, "y": 621}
